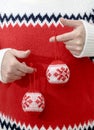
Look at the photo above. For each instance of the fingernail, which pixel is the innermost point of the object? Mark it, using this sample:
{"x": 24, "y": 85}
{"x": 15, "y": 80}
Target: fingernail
{"x": 51, "y": 39}
{"x": 35, "y": 69}
{"x": 27, "y": 51}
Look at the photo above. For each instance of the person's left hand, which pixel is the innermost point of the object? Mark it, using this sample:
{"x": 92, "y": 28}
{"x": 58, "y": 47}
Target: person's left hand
{"x": 74, "y": 40}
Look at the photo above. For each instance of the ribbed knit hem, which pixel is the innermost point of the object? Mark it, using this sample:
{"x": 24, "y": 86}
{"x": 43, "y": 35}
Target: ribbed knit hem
{"x": 88, "y": 50}
{"x": 2, "y": 52}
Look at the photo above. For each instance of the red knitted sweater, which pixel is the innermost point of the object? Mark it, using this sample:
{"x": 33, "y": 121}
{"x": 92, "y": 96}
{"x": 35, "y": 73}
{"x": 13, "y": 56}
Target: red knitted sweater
{"x": 67, "y": 104}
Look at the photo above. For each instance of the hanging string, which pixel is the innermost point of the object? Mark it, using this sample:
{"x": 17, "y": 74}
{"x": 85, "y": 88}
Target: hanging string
{"x": 56, "y": 49}
{"x": 32, "y": 86}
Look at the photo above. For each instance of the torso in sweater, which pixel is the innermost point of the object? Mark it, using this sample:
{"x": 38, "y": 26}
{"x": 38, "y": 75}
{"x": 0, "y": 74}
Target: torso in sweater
{"x": 28, "y": 24}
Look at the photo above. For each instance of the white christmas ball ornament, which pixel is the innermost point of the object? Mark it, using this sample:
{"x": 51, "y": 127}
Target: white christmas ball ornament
{"x": 58, "y": 72}
{"x": 33, "y": 102}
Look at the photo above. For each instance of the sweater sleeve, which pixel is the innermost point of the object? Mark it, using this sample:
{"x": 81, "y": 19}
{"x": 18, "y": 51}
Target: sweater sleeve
{"x": 2, "y": 52}
{"x": 88, "y": 49}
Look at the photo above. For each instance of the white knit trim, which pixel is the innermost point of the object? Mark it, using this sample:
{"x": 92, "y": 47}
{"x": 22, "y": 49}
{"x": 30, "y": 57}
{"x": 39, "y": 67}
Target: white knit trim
{"x": 23, "y": 126}
{"x": 88, "y": 49}
{"x": 2, "y": 52}
{"x": 31, "y": 22}
{"x": 49, "y": 6}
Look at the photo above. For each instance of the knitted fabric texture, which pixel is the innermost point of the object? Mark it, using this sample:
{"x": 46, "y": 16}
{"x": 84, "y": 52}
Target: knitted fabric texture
{"x": 29, "y": 25}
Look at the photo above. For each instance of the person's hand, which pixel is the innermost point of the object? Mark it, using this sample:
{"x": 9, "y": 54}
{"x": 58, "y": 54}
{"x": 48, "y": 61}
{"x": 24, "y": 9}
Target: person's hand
{"x": 11, "y": 68}
{"x": 74, "y": 40}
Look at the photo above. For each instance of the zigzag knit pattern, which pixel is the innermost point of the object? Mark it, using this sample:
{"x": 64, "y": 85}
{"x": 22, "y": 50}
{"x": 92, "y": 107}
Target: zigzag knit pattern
{"x": 10, "y": 15}
{"x": 8, "y": 124}
{"x": 41, "y": 18}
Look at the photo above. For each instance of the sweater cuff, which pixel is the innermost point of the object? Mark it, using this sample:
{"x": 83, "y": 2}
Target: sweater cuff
{"x": 88, "y": 50}
{"x": 2, "y": 52}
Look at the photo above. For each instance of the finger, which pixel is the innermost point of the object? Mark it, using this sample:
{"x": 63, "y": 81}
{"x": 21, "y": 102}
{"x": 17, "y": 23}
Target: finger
{"x": 70, "y": 23}
{"x": 70, "y": 48}
{"x": 12, "y": 78}
{"x": 75, "y": 48}
{"x": 24, "y": 68}
{"x": 16, "y": 73}
{"x": 63, "y": 37}
{"x": 19, "y": 73}
{"x": 20, "y": 54}
{"x": 74, "y": 53}
{"x": 72, "y": 42}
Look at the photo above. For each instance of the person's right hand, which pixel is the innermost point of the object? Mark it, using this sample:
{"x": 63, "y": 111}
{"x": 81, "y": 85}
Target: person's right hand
{"x": 11, "y": 68}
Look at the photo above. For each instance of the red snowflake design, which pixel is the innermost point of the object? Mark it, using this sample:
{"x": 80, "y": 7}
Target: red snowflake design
{"x": 26, "y": 101}
{"x": 62, "y": 73}
{"x": 48, "y": 74}
{"x": 40, "y": 102}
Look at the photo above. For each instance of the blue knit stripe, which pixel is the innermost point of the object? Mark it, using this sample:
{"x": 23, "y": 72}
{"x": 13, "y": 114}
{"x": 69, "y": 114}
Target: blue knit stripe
{"x": 46, "y": 17}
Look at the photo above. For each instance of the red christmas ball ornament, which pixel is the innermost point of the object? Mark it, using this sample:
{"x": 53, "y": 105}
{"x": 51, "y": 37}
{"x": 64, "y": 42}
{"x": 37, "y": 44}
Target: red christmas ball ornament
{"x": 58, "y": 72}
{"x": 33, "y": 102}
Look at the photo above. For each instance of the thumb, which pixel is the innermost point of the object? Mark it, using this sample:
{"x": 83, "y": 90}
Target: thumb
{"x": 70, "y": 23}
{"x": 20, "y": 54}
